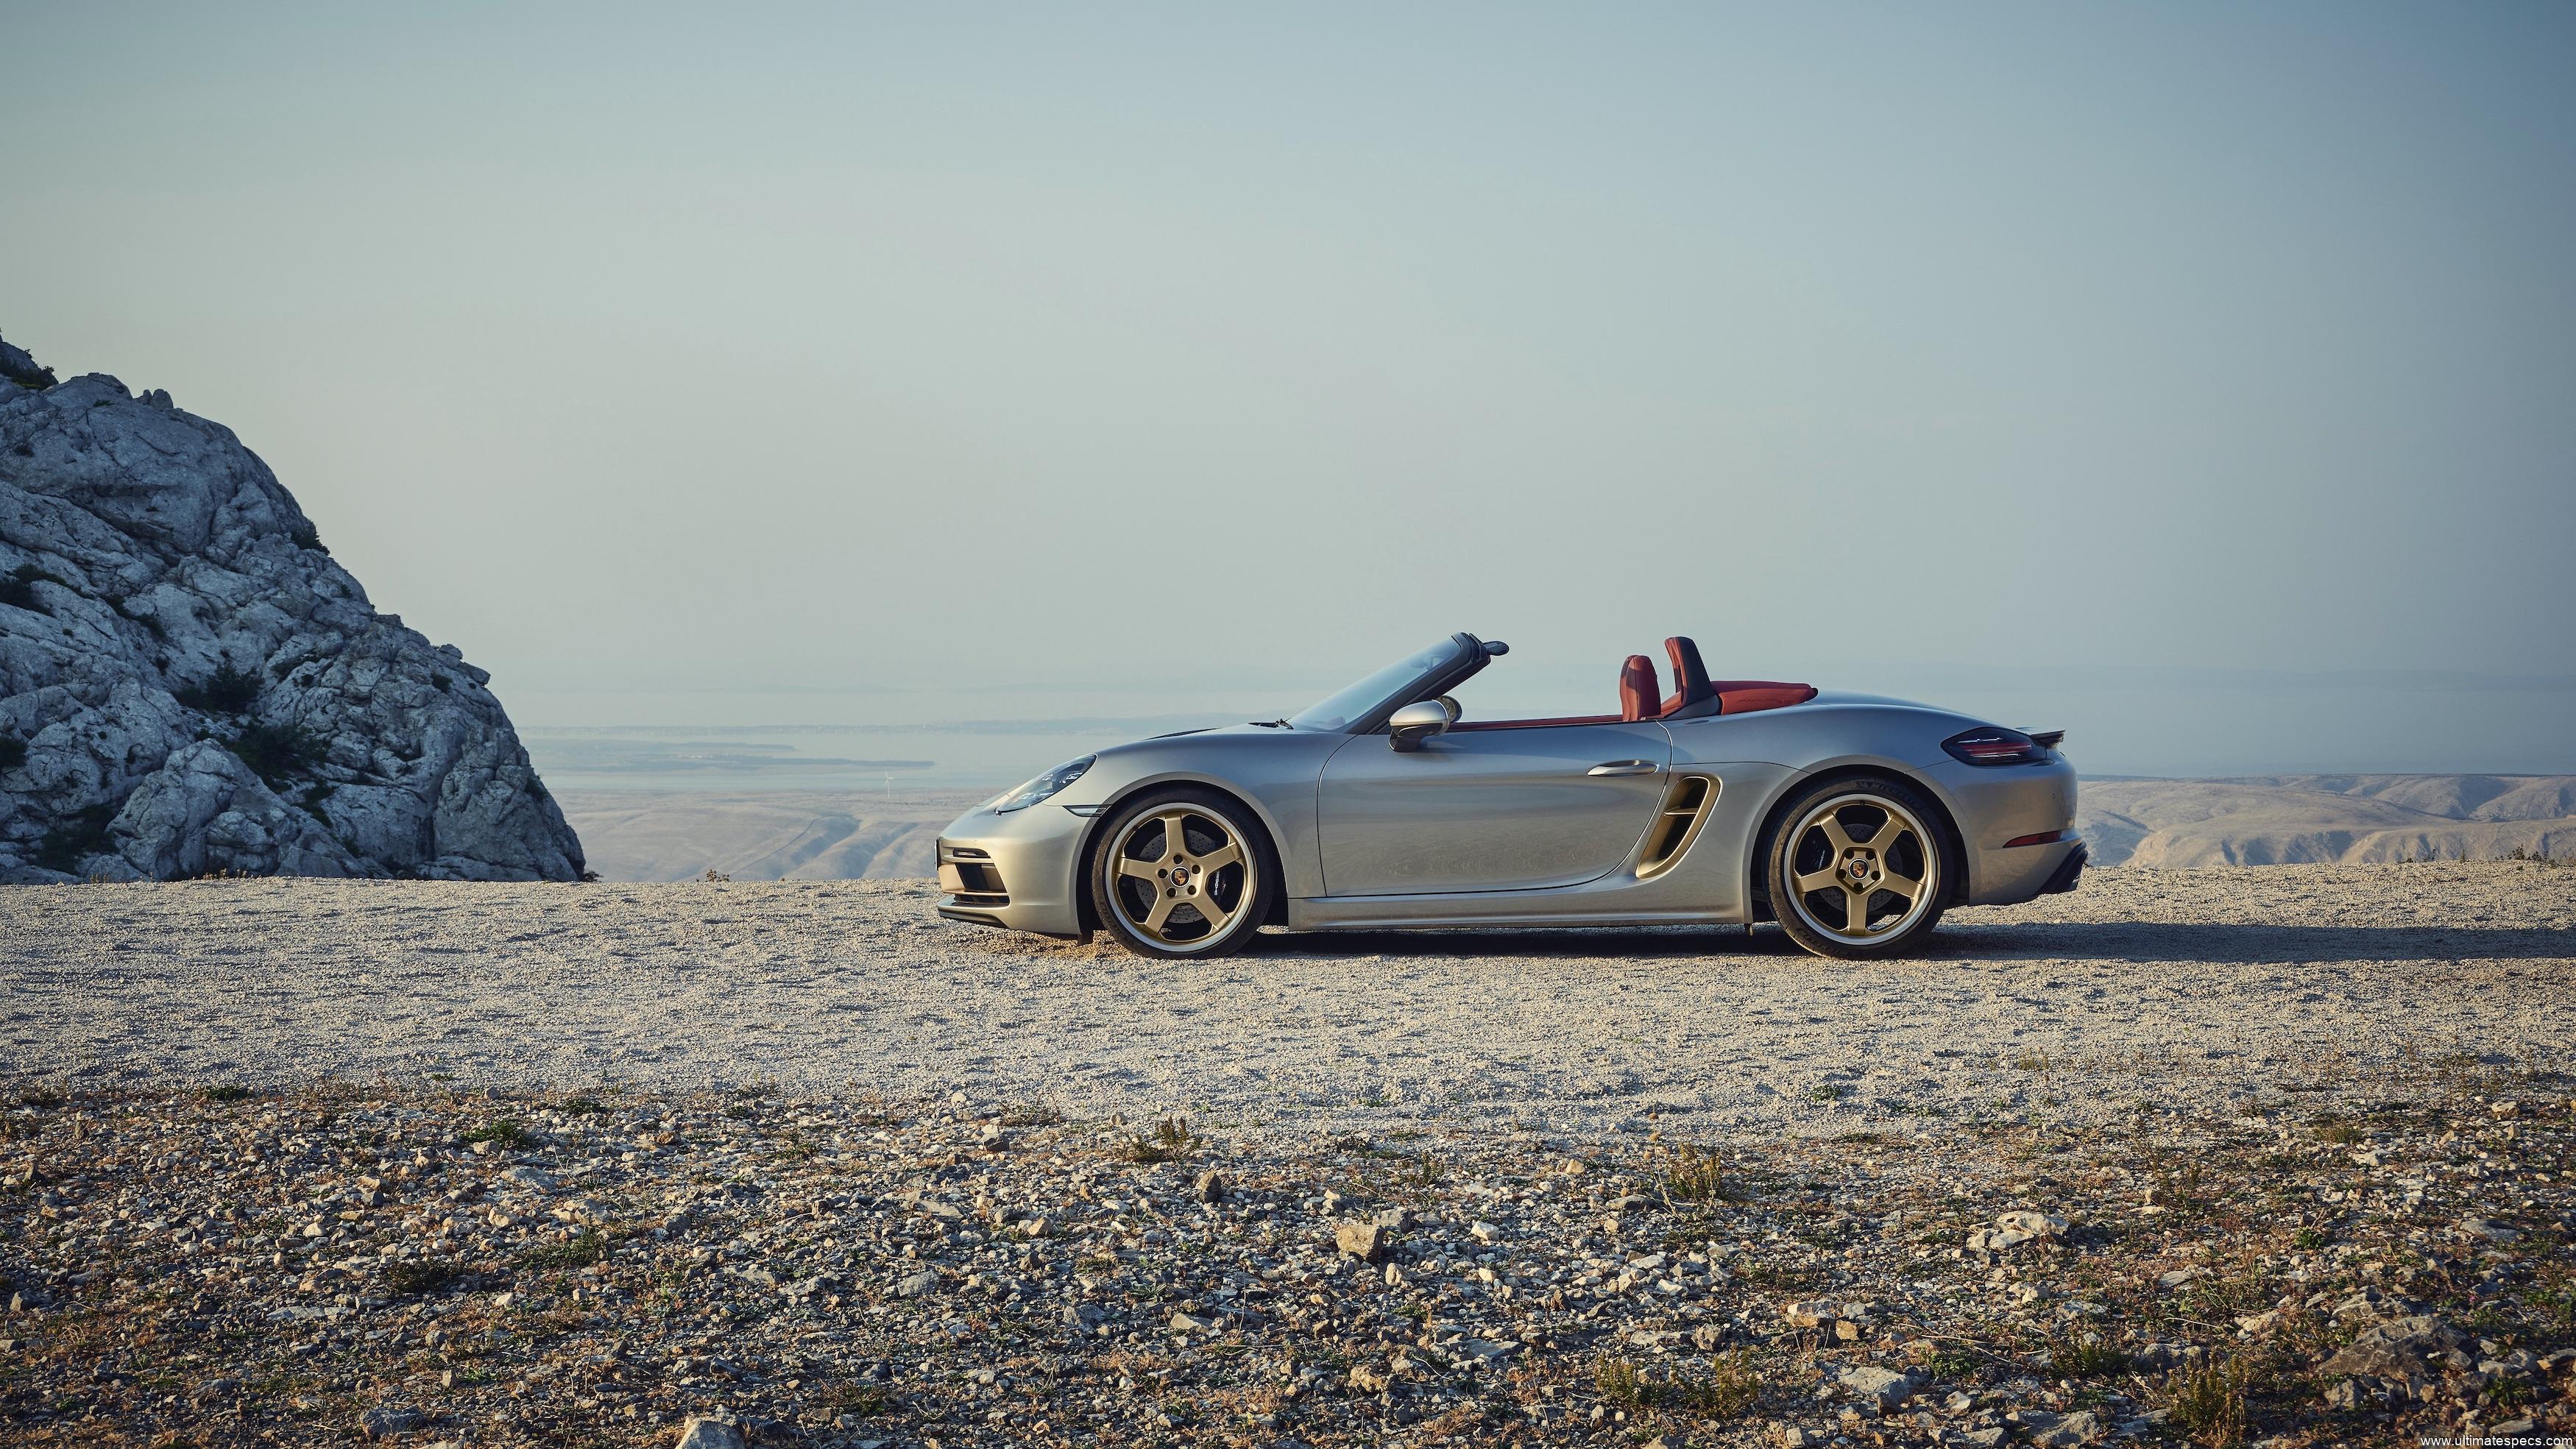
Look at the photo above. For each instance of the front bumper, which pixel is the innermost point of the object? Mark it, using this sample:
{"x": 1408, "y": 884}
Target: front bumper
{"x": 1020, "y": 871}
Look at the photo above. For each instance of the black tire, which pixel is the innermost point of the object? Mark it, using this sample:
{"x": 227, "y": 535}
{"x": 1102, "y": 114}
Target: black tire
{"x": 1862, "y": 867}
{"x": 1124, "y": 900}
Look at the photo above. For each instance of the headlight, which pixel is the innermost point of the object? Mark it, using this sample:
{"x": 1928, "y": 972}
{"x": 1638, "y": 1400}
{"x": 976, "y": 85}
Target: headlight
{"x": 1021, "y": 797}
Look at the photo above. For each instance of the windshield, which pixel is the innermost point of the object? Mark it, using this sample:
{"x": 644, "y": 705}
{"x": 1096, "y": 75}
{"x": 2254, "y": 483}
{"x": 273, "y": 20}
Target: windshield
{"x": 1337, "y": 710}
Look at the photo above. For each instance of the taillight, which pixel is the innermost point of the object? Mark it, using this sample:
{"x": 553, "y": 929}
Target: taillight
{"x": 1993, "y": 745}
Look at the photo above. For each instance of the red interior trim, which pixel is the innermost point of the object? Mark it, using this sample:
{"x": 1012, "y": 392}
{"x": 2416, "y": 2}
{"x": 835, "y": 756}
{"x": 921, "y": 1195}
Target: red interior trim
{"x": 1533, "y": 724}
{"x": 1744, "y": 696}
{"x": 1639, "y": 701}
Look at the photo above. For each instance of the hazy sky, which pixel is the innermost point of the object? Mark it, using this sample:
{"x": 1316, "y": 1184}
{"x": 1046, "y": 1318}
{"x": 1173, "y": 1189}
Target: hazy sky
{"x": 1158, "y": 353}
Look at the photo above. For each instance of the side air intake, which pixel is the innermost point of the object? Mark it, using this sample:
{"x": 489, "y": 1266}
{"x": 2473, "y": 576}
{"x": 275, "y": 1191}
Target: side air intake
{"x": 1685, "y": 810}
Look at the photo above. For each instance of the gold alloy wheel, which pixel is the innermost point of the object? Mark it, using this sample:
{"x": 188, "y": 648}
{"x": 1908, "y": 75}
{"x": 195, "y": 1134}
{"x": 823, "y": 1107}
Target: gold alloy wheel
{"x": 1183, "y": 876}
{"x": 1862, "y": 868}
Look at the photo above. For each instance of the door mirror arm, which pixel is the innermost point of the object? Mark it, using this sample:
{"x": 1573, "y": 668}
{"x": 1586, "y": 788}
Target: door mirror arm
{"x": 1417, "y": 724}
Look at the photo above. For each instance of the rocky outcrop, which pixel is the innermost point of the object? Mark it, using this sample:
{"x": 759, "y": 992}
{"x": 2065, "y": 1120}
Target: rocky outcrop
{"x": 189, "y": 684}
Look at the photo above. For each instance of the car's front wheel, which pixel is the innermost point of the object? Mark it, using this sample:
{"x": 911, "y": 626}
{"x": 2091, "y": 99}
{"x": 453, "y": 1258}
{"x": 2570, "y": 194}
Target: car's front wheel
{"x": 1859, "y": 869}
{"x": 1182, "y": 874}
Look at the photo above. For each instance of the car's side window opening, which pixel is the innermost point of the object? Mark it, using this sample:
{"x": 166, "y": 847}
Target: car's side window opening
{"x": 1632, "y": 689}
{"x": 1643, "y": 695}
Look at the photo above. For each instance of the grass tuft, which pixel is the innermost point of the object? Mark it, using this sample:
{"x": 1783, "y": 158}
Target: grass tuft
{"x": 275, "y": 753}
{"x": 2085, "y": 1360}
{"x": 226, "y": 691}
{"x": 591, "y": 1246}
{"x": 64, "y": 847}
{"x": 1733, "y": 1386}
{"x": 18, "y": 588}
{"x": 2209, "y": 1402}
{"x": 1697, "y": 1175}
{"x": 35, "y": 377}
{"x": 421, "y": 1275}
{"x": 1169, "y": 1141}
{"x": 1619, "y": 1382}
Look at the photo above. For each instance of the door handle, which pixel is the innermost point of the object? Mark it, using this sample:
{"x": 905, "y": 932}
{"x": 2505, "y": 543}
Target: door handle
{"x": 1624, "y": 767}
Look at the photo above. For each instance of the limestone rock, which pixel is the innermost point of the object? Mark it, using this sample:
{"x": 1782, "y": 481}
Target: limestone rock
{"x": 1868, "y": 1381}
{"x": 385, "y": 1421}
{"x": 2013, "y": 1229}
{"x": 1811, "y": 1314}
{"x": 190, "y": 685}
{"x": 707, "y": 1433}
{"x": 2080, "y": 1427}
{"x": 2398, "y": 1349}
{"x": 2031, "y": 1224}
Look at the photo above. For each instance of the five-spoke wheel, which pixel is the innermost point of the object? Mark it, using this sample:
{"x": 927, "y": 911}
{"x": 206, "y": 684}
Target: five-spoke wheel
{"x": 1858, "y": 869}
{"x": 1180, "y": 875}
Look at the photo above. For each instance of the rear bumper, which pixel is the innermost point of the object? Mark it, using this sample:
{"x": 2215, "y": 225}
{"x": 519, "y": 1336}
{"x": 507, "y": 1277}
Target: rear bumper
{"x": 2067, "y": 874}
{"x": 1996, "y": 807}
{"x": 1017, "y": 870}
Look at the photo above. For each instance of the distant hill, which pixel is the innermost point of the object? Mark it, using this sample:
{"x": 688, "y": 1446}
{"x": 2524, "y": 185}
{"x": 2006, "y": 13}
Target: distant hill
{"x": 2265, "y": 820}
{"x": 763, "y": 835}
{"x": 2320, "y": 819}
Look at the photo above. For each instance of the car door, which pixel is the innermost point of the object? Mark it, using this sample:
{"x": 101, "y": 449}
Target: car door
{"x": 1488, "y": 809}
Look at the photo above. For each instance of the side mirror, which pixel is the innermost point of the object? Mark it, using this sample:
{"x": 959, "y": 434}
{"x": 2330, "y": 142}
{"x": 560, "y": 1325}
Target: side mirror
{"x": 1412, "y": 727}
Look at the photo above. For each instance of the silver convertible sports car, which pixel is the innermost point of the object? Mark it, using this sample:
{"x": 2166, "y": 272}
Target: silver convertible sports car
{"x": 1853, "y": 821}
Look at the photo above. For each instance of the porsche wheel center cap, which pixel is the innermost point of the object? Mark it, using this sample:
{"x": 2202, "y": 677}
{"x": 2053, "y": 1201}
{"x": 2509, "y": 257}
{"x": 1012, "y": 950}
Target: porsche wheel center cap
{"x": 1181, "y": 876}
{"x": 1860, "y": 868}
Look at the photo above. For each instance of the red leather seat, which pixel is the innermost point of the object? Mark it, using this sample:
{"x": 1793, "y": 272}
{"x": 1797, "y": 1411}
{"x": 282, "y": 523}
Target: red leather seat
{"x": 1639, "y": 695}
{"x": 1695, "y": 694}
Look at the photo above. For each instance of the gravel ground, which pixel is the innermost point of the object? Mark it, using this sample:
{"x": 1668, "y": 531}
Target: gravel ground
{"x": 2195, "y": 989}
{"x": 2248, "y": 1156}
{"x": 218, "y": 1267}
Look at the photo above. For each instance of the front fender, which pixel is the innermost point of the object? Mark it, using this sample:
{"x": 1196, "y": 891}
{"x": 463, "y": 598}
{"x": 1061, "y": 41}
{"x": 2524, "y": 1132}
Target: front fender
{"x": 1273, "y": 774}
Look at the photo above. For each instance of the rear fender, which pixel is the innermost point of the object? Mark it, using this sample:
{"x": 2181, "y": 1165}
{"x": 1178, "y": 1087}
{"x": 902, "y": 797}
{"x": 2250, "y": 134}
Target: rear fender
{"x": 1944, "y": 809}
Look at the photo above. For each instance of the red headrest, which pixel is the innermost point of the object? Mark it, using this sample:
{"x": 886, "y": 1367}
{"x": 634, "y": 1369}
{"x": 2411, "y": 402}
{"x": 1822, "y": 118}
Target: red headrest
{"x": 1639, "y": 697}
{"x": 1690, "y": 676}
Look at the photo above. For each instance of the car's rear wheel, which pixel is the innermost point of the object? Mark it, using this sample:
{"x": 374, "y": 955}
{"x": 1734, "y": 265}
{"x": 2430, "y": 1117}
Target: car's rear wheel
{"x": 1182, "y": 874}
{"x": 1859, "y": 868}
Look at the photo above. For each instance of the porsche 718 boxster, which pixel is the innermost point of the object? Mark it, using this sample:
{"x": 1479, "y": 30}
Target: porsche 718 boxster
{"x": 1852, "y": 820}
